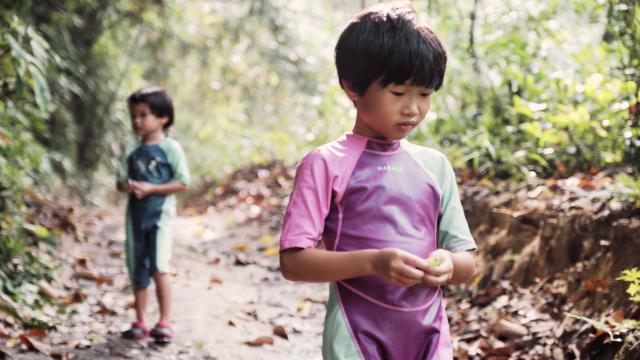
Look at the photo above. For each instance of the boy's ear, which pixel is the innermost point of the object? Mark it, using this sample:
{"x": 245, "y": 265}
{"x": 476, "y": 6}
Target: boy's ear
{"x": 351, "y": 93}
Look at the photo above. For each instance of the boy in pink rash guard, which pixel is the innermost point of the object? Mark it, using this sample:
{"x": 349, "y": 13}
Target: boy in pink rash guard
{"x": 383, "y": 207}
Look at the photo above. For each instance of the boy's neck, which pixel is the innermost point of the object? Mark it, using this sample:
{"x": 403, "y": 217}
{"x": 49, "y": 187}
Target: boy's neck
{"x": 361, "y": 128}
{"x": 153, "y": 138}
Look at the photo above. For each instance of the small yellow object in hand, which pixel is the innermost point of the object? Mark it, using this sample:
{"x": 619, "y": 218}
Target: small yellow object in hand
{"x": 435, "y": 262}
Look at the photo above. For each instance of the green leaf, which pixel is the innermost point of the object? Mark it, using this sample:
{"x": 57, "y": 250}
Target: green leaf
{"x": 632, "y": 274}
{"x": 41, "y": 89}
{"x": 38, "y": 230}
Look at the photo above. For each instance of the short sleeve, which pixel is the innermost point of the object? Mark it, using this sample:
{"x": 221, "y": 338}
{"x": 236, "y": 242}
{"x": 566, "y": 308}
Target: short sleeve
{"x": 453, "y": 230}
{"x": 178, "y": 162}
{"x": 308, "y": 205}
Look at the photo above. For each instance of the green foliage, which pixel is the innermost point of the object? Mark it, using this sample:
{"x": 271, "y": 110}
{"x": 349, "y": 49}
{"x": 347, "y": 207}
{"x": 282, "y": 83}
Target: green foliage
{"x": 57, "y": 86}
{"x": 26, "y": 59}
{"x": 524, "y": 96}
{"x": 536, "y": 95}
{"x": 249, "y": 82}
{"x": 632, "y": 276}
{"x": 628, "y": 190}
{"x": 616, "y": 330}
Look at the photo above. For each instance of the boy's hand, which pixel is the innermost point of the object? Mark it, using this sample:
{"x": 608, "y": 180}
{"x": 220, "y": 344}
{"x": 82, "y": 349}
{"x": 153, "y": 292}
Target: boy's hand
{"x": 438, "y": 268}
{"x": 123, "y": 186}
{"x": 140, "y": 189}
{"x": 398, "y": 266}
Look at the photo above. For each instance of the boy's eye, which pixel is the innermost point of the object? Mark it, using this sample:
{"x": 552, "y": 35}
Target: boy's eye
{"x": 425, "y": 94}
{"x": 397, "y": 93}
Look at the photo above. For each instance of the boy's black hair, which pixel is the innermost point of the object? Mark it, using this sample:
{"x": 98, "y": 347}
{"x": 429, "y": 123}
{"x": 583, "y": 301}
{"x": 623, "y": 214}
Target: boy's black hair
{"x": 386, "y": 43}
{"x": 157, "y": 99}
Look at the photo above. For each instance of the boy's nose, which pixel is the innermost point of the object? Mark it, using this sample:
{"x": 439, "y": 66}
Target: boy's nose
{"x": 411, "y": 108}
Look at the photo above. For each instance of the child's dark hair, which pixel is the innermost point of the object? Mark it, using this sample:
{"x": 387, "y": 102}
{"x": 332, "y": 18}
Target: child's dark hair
{"x": 157, "y": 99}
{"x": 386, "y": 43}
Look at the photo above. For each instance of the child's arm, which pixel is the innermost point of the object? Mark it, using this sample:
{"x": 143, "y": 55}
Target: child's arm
{"x": 464, "y": 267}
{"x": 142, "y": 189}
{"x": 452, "y": 267}
{"x": 457, "y": 265}
{"x": 316, "y": 265}
{"x": 123, "y": 186}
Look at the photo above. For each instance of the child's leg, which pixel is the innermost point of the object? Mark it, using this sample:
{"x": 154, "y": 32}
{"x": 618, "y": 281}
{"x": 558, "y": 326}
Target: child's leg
{"x": 138, "y": 330}
{"x": 163, "y": 292}
{"x": 139, "y": 271}
{"x": 140, "y": 296}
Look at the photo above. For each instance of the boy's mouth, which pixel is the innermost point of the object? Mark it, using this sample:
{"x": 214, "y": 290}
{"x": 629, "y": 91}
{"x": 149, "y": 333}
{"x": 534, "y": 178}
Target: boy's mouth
{"x": 406, "y": 125}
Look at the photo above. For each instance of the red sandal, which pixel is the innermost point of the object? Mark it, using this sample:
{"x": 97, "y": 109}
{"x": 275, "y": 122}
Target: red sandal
{"x": 162, "y": 333}
{"x": 137, "y": 332}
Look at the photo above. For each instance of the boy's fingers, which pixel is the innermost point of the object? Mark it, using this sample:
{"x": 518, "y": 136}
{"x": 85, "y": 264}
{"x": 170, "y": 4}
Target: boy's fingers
{"x": 411, "y": 272}
{"x": 408, "y": 279}
{"x": 413, "y": 261}
{"x": 436, "y": 271}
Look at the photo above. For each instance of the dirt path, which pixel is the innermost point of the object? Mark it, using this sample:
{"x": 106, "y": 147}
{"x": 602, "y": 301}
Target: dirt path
{"x": 223, "y": 305}
{"x": 227, "y": 290}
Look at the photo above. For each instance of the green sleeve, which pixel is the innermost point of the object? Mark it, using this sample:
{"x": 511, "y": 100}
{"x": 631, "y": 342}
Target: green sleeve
{"x": 453, "y": 230}
{"x": 178, "y": 161}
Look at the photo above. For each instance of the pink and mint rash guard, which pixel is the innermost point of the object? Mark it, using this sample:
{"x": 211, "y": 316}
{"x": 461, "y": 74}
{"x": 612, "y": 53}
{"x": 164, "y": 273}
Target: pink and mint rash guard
{"x": 356, "y": 193}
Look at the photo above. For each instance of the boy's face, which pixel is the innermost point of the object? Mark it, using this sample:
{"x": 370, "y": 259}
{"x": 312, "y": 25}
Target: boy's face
{"x": 391, "y": 112}
{"x": 144, "y": 122}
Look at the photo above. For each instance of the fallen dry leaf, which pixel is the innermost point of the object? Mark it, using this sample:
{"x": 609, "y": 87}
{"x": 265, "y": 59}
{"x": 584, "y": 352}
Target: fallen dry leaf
{"x": 618, "y": 316}
{"x": 99, "y": 279}
{"x": 587, "y": 184}
{"x": 32, "y": 344}
{"x": 508, "y": 328}
{"x": 262, "y": 340}
{"x": 242, "y": 247}
{"x": 105, "y": 311}
{"x": 75, "y": 296}
{"x": 83, "y": 262}
{"x": 271, "y": 251}
{"x": 279, "y": 330}
{"x": 39, "y": 333}
{"x": 49, "y": 291}
{"x": 242, "y": 260}
{"x": 267, "y": 239}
